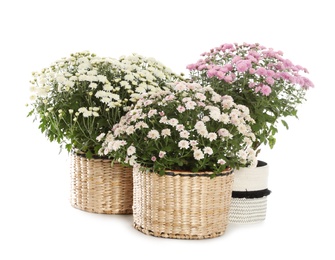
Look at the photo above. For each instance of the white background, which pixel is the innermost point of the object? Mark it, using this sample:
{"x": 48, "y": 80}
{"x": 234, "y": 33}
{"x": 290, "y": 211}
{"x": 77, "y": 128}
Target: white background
{"x": 36, "y": 219}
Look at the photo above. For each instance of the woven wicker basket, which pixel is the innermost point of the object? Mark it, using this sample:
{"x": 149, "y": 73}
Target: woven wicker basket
{"x": 249, "y": 196}
{"x": 99, "y": 187}
{"x": 181, "y": 205}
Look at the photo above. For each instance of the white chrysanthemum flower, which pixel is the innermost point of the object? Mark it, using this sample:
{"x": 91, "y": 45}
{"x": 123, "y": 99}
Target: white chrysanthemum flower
{"x": 161, "y": 154}
{"x": 116, "y": 145}
{"x": 180, "y": 127}
{"x": 224, "y": 118}
{"x": 107, "y": 87}
{"x": 101, "y": 78}
{"x": 221, "y": 161}
{"x": 180, "y": 86}
{"x": 99, "y": 137}
{"x": 227, "y": 102}
{"x": 129, "y": 77}
{"x": 153, "y": 134}
{"x": 193, "y": 143}
{"x": 166, "y": 132}
{"x": 92, "y": 72}
{"x": 222, "y": 132}
{"x": 205, "y": 119}
{"x": 82, "y": 110}
{"x": 96, "y": 114}
{"x": 200, "y": 96}
{"x": 60, "y": 79}
{"x": 216, "y": 97}
{"x": 122, "y": 83}
{"x": 131, "y": 150}
{"x": 184, "y": 134}
{"x": 214, "y": 113}
{"x": 183, "y": 144}
{"x": 190, "y": 105}
{"x": 87, "y": 113}
{"x": 130, "y": 129}
{"x": 199, "y": 125}
{"x": 173, "y": 121}
{"x": 242, "y": 129}
{"x": 208, "y": 150}
{"x": 212, "y": 136}
{"x": 114, "y": 96}
{"x": 198, "y": 154}
{"x": 242, "y": 154}
{"x": 152, "y": 112}
{"x": 202, "y": 131}
{"x": 93, "y": 85}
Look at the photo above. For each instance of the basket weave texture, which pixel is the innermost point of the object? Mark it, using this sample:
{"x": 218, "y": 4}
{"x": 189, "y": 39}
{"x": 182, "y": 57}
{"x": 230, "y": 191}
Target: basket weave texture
{"x": 181, "y": 205}
{"x": 99, "y": 187}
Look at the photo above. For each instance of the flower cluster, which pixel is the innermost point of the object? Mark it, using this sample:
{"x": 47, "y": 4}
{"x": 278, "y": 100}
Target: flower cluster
{"x": 78, "y": 97}
{"x": 257, "y": 77}
{"x": 187, "y": 127}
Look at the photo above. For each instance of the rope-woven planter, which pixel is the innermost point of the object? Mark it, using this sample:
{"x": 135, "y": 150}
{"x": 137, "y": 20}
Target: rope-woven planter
{"x": 183, "y": 205}
{"x": 99, "y": 187}
{"x": 249, "y": 196}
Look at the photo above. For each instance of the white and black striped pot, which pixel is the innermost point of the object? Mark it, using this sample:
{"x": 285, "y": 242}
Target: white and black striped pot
{"x": 249, "y": 196}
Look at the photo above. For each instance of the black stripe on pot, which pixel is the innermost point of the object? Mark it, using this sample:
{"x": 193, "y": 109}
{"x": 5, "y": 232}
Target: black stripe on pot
{"x": 202, "y": 174}
{"x": 251, "y": 194}
{"x": 261, "y": 163}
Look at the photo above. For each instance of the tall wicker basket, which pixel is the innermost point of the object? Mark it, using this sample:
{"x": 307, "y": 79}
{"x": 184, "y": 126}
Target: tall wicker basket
{"x": 182, "y": 205}
{"x": 99, "y": 187}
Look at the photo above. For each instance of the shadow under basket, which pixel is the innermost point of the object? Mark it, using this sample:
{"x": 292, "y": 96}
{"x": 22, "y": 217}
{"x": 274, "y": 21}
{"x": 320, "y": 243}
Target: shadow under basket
{"x": 99, "y": 187}
{"x": 182, "y": 205}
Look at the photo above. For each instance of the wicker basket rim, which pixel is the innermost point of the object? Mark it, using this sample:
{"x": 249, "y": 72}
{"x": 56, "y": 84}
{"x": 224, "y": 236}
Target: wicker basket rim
{"x": 94, "y": 156}
{"x": 196, "y": 174}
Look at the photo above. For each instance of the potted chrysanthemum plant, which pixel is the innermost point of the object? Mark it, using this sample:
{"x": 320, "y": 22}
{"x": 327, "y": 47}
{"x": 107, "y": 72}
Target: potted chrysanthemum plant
{"x": 272, "y": 87}
{"x": 183, "y": 143}
{"x": 77, "y": 98}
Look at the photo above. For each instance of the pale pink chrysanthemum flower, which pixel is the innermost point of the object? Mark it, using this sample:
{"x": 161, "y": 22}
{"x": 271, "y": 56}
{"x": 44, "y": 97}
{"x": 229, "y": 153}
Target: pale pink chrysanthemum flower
{"x": 208, "y": 150}
{"x": 184, "y": 134}
{"x": 212, "y": 136}
{"x": 270, "y": 80}
{"x": 199, "y": 125}
{"x": 180, "y": 127}
{"x": 211, "y": 73}
{"x": 173, "y": 121}
{"x": 198, "y": 154}
{"x": 161, "y": 154}
{"x": 221, "y": 161}
{"x": 166, "y": 132}
{"x": 190, "y": 105}
{"x": 181, "y": 109}
{"x": 183, "y": 144}
{"x": 193, "y": 143}
{"x": 131, "y": 150}
{"x": 243, "y": 65}
{"x": 265, "y": 90}
{"x": 153, "y": 134}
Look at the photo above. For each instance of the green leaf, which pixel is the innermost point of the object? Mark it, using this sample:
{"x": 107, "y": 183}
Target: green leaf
{"x": 89, "y": 154}
{"x": 272, "y": 141}
{"x": 284, "y": 124}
